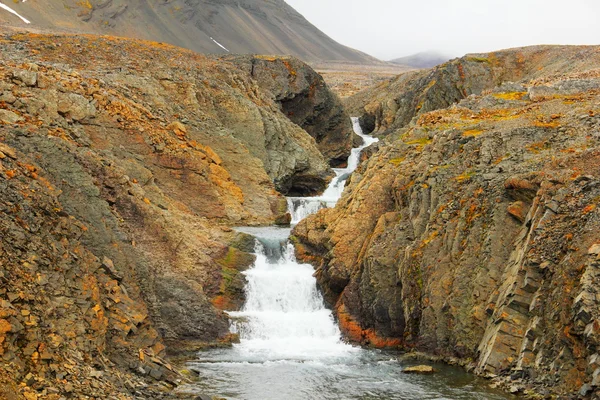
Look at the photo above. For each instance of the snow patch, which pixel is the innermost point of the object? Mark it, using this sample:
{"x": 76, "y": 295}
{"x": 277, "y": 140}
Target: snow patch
{"x": 10, "y": 10}
{"x": 220, "y": 45}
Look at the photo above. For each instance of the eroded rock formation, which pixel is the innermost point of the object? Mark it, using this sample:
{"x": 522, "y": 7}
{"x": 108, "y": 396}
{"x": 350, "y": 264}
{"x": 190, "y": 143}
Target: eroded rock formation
{"x": 123, "y": 165}
{"x": 304, "y": 99}
{"x": 392, "y": 104}
{"x": 473, "y": 233}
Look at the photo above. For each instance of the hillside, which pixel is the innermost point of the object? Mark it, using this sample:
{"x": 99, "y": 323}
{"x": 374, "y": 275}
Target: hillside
{"x": 392, "y": 104}
{"x": 205, "y": 26}
{"x": 472, "y": 234}
{"x": 123, "y": 166}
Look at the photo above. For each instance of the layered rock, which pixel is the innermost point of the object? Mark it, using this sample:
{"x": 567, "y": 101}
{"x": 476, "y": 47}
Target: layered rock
{"x": 392, "y": 104}
{"x": 303, "y": 96}
{"x": 473, "y": 233}
{"x": 123, "y": 165}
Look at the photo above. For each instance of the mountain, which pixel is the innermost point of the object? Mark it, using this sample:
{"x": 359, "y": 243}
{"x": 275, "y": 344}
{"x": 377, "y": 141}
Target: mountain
{"x": 426, "y": 59}
{"x": 205, "y": 26}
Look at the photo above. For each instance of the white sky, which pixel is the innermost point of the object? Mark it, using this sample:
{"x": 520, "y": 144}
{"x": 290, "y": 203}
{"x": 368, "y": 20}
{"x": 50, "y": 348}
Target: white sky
{"x": 388, "y": 29}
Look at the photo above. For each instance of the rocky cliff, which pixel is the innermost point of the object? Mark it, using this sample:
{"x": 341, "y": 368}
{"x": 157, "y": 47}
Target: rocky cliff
{"x": 303, "y": 97}
{"x": 473, "y": 233}
{"x": 123, "y": 165}
{"x": 206, "y": 26}
{"x": 392, "y": 104}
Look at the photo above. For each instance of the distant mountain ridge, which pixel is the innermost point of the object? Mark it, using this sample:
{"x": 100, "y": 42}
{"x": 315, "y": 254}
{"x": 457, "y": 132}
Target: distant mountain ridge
{"x": 425, "y": 59}
{"x": 206, "y": 26}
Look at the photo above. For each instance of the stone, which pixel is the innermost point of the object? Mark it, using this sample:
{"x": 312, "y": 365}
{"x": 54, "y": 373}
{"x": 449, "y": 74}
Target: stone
{"x": 419, "y": 369}
{"x": 108, "y": 266}
{"x": 514, "y": 389}
{"x": 178, "y": 128}
{"x": 596, "y": 378}
{"x": 7, "y": 97}
{"x": 594, "y": 250}
{"x": 585, "y": 389}
{"x": 518, "y": 210}
{"x": 156, "y": 373}
{"x": 96, "y": 374}
{"x": 75, "y": 106}
{"x": 9, "y": 117}
{"x": 7, "y": 151}
{"x": 29, "y": 78}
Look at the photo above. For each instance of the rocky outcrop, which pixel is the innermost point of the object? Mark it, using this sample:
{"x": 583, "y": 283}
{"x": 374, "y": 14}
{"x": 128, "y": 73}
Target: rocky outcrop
{"x": 206, "y": 26}
{"x": 473, "y": 232}
{"x": 392, "y": 104}
{"x": 66, "y": 315}
{"x": 123, "y": 165}
{"x": 305, "y": 99}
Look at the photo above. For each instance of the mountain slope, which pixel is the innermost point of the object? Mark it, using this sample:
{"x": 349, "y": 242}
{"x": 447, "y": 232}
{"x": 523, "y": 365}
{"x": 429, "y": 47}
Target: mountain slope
{"x": 123, "y": 164}
{"x": 206, "y": 26}
{"x": 425, "y": 59}
{"x": 393, "y": 104}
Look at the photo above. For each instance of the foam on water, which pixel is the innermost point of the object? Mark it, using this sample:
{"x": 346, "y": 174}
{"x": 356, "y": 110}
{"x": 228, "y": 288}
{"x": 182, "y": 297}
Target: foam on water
{"x": 302, "y": 207}
{"x": 284, "y": 316}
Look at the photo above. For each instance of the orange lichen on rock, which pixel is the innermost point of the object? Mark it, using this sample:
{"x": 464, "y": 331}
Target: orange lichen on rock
{"x": 352, "y": 330}
{"x": 510, "y": 95}
{"x": 178, "y": 128}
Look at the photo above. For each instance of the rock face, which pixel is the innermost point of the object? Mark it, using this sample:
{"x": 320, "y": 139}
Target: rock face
{"x": 123, "y": 165}
{"x": 473, "y": 232}
{"x": 392, "y": 104}
{"x": 303, "y": 96}
{"x": 206, "y": 26}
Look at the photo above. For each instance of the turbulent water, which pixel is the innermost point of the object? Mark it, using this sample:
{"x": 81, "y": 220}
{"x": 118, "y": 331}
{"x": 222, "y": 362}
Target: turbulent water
{"x": 302, "y": 207}
{"x": 290, "y": 346}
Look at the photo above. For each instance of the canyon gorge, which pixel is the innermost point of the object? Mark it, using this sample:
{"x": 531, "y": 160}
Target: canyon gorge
{"x": 178, "y": 225}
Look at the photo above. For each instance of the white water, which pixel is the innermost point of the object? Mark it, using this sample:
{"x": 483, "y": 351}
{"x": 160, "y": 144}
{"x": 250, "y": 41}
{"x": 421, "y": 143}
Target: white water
{"x": 290, "y": 346}
{"x": 302, "y": 207}
{"x": 284, "y": 316}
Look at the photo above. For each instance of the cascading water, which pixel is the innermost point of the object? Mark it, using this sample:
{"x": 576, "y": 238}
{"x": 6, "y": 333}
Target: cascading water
{"x": 284, "y": 316}
{"x": 302, "y": 207}
{"x": 290, "y": 346}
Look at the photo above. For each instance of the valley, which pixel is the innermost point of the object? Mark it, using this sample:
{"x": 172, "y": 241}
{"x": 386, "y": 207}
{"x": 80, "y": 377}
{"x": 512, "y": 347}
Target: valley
{"x": 213, "y": 199}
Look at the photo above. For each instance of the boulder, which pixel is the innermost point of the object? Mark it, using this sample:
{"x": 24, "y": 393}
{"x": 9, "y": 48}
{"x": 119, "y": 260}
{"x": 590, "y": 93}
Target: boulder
{"x": 419, "y": 369}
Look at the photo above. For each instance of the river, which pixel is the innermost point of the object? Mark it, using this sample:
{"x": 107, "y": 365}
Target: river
{"x": 290, "y": 345}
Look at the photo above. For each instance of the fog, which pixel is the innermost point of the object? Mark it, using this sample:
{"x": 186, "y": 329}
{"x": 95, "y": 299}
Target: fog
{"x": 388, "y": 29}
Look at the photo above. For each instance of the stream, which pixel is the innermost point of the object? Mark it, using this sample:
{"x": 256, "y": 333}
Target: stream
{"x": 290, "y": 345}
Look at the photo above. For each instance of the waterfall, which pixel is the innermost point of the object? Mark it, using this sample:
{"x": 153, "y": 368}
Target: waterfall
{"x": 290, "y": 346}
{"x": 284, "y": 316}
{"x": 302, "y": 207}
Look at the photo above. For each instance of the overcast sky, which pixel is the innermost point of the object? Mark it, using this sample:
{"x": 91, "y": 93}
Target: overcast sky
{"x": 393, "y": 28}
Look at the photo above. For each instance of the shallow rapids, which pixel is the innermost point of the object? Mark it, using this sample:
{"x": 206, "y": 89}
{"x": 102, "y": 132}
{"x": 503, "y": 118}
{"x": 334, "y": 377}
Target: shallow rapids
{"x": 290, "y": 345}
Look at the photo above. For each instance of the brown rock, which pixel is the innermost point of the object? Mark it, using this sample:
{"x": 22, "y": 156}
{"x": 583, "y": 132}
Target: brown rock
{"x": 9, "y": 117}
{"x": 419, "y": 369}
{"x": 518, "y": 210}
{"x": 178, "y": 128}
{"x": 75, "y": 106}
